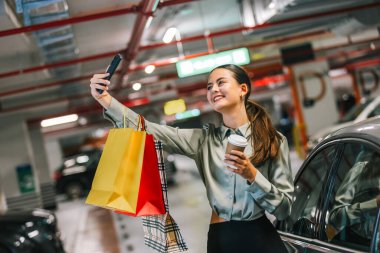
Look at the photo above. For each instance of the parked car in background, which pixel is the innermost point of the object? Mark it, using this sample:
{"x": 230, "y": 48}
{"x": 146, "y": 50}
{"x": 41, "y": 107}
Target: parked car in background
{"x": 369, "y": 108}
{"x": 337, "y": 194}
{"x": 33, "y": 231}
{"x": 74, "y": 177}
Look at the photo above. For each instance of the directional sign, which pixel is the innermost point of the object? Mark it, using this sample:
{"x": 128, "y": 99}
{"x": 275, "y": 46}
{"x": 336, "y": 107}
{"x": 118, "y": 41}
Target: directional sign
{"x": 205, "y": 64}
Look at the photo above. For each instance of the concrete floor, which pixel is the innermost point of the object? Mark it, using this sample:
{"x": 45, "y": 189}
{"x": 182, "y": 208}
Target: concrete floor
{"x": 90, "y": 229}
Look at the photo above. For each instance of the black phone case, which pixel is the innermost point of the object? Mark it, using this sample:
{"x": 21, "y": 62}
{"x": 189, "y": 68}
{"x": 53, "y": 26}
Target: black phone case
{"x": 111, "y": 69}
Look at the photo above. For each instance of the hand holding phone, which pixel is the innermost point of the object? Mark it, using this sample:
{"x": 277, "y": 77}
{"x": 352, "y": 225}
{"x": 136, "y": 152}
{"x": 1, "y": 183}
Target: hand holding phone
{"x": 111, "y": 69}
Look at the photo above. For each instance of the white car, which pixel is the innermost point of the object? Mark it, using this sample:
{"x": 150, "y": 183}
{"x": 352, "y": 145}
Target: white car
{"x": 359, "y": 112}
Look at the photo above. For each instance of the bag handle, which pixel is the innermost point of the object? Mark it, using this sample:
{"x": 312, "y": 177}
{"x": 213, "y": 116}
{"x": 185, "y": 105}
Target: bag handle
{"x": 124, "y": 117}
{"x": 142, "y": 121}
{"x": 140, "y": 124}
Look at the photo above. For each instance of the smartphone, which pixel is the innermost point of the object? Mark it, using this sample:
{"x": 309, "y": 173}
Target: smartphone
{"x": 111, "y": 69}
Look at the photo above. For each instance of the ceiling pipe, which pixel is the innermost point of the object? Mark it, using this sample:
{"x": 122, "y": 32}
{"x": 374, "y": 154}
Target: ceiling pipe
{"x": 132, "y": 51}
{"x": 92, "y": 108}
{"x": 364, "y": 63}
{"x": 57, "y": 64}
{"x": 240, "y": 29}
{"x": 173, "y": 2}
{"x": 82, "y": 59}
{"x": 276, "y": 65}
{"x": 127, "y": 102}
{"x": 44, "y": 86}
{"x": 134, "y": 8}
{"x": 147, "y": 10}
{"x": 110, "y": 54}
{"x": 167, "y": 62}
{"x": 156, "y": 45}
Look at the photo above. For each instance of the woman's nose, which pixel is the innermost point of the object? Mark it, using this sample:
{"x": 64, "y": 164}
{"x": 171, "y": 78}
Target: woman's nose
{"x": 214, "y": 88}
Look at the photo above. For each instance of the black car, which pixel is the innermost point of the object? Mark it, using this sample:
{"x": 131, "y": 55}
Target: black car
{"x": 74, "y": 177}
{"x": 337, "y": 194}
{"x": 33, "y": 231}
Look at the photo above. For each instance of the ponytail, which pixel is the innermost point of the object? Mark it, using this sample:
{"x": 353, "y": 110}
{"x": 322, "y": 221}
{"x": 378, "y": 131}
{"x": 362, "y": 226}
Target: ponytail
{"x": 264, "y": 138}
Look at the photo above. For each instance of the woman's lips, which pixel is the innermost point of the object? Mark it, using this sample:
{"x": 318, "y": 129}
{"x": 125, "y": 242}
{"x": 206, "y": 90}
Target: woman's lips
{"x": 217, "y": 98}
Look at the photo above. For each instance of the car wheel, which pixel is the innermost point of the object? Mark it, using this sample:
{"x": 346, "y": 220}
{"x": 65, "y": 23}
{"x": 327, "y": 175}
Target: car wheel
{"x": 74, "y": 190}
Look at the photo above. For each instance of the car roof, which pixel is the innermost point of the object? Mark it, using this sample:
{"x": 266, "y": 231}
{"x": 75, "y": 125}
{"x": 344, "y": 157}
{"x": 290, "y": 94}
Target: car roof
{"x": 367, "y": 129}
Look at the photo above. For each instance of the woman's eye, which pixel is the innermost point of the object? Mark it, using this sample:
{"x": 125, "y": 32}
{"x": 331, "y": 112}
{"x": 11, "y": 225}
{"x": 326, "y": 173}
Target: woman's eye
{"x": 209, "y": 87}
{"x": 220, "y": 83}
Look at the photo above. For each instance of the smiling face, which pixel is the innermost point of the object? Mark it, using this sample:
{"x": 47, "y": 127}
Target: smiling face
{"x": 223, "y": 91}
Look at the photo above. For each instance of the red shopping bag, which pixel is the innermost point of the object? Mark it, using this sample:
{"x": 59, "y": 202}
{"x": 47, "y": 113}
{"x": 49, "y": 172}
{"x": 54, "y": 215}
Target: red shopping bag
{"x": 150, "y": 199}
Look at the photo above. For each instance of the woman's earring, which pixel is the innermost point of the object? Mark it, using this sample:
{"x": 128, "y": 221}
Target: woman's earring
{"x": 241, "y": 97}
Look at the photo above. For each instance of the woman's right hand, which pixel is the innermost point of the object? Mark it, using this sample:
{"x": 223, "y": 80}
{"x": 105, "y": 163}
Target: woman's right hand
{"x": 96, "y": 83}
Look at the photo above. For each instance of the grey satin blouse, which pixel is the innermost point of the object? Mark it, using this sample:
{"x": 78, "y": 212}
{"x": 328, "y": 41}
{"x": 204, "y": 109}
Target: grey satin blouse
{"x": 230, "y": 195}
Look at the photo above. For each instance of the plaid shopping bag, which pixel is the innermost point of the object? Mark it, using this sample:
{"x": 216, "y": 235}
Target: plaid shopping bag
{"x": 161, "y": 232}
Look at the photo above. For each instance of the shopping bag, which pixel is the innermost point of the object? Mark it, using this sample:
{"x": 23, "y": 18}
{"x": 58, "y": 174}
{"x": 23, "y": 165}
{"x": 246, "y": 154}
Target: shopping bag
{"x": 117, "y": 176}
{"x": 161, "y": 232}
{"x": 117, "y": 182}
{"x": 150, "y": 200}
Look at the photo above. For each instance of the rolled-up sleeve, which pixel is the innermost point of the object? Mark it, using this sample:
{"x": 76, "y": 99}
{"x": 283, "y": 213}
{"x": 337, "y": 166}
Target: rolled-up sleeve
{"x": 181, "y": 141}
{"x": 274, "y": 194}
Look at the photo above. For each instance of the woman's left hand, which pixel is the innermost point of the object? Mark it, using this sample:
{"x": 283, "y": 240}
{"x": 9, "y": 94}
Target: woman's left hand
{"x": 243, "y": 165}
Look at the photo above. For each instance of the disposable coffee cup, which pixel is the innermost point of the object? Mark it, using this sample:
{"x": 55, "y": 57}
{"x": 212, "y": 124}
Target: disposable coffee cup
{"x": 236, "y": 142}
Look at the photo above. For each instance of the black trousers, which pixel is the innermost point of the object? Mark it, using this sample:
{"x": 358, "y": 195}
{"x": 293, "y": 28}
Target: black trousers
{"x": 244, "y": 237}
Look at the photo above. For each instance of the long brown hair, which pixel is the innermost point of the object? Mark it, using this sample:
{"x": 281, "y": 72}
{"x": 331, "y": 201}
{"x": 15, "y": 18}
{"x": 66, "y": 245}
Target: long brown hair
{"x": 264, "y": 137}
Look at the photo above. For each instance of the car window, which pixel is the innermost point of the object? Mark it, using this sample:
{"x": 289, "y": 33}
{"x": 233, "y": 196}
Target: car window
{"x": 375, "y": 112}
{"x": 308, "y": 189}
{"x": 354, "y": 112}
{"x": 352, "y": 205}
{"x": 85, "y": 159}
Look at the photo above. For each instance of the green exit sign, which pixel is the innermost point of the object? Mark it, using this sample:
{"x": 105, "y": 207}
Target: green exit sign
{"x": 205, "y": 64}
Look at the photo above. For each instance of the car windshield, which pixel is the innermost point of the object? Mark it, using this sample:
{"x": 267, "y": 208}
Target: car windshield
{"x": 354, "y": 112}
{"x": 82, "y": 159}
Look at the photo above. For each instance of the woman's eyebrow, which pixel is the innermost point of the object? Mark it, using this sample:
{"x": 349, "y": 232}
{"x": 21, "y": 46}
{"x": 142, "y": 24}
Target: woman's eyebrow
{"x": 217, "y": 80}
{"x": 220, "y": 78}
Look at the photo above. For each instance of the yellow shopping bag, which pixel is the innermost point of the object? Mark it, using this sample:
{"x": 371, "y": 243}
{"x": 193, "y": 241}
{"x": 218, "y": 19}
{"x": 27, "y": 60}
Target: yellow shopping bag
{"x": 117, "y": 179}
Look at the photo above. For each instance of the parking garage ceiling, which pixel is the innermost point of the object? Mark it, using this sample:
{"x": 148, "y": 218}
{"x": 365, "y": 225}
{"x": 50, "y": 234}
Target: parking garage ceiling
{"x": 50, "y": 49}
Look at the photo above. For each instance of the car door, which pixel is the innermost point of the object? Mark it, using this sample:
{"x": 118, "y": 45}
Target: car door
{"x": 299, "y": 230}
{"x": 350, "y": 215}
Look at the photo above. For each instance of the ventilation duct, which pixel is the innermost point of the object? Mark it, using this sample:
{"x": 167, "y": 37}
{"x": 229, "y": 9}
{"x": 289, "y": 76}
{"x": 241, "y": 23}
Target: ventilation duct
{"x": 341, "y": 23}
{"x": 257, "y": 12}
{"x": 347, "y": 27}
{"x": 55, "y": 44}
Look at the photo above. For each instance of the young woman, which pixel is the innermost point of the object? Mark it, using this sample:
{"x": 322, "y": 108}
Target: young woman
{"x": 261, "y": 180}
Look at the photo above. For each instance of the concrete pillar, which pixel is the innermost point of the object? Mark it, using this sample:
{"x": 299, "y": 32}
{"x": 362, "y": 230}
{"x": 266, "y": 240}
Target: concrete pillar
{"x": 3, "y": 202}
{"x": 18, "y": 165}
{"x": 44, "y": 175}
{"x": 55, "y": 154}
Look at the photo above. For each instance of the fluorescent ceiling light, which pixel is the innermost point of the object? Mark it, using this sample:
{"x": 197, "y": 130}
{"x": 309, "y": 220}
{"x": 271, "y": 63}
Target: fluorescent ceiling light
{"x": 148, "y": 22}
{"x": 59, "y": 120}
{"x": 136, "y": 86}
{"x": 149, "y": 69}
{"x": 169, "y": 35}
{"x": 337, "y": 72}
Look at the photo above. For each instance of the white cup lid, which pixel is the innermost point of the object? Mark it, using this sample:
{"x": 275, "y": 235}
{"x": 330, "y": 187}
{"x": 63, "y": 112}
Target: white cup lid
{"x": 237, "y": 140}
